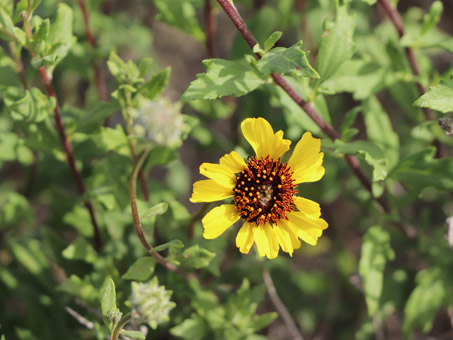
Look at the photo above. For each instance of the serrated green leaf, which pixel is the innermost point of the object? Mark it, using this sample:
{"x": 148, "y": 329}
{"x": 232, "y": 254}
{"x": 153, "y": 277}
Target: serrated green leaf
{"x": 270, "y": 42}
{"x": 156, "y": 84}
{"x": 376, "y": 251}
{"x": 108, "y": 301}
{"x": 94, "y": 118}
{"x": 180, "y": 14}
{"x": 194, "y": 328}
{"x": 80, "y": 249}
{"x": 116, "y": 66}
{"x": 424, "y": 301}
{"x": 224, "y": 78}
{"x": 171, "y": 244}
{"x": 133, "y": 334}
{"x": 380, "y": 131}
{"x": 437, "y": 98}
{"x": 421, "y": 170}
{"x": 432, "y": 18}
{"x": 283, "y": 60}
{"x": 337, "y": 44}
{"x": 371, "y": 153}
{"x": 41, "y": 34}
{"x": 158, "y": 209}
{"x": 196, "y": 257}
{"x": 59, "y": 41}
{"x": 141, "y": 269}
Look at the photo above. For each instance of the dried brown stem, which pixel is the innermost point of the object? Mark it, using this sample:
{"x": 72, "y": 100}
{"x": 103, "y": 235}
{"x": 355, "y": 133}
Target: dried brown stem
{"x": 352, "y": 161}
{"x": 210, "y": 28}
{"x": 278, "y": 304}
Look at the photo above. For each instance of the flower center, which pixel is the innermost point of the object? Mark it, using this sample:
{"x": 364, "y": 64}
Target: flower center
{"x": 264, "y": 191}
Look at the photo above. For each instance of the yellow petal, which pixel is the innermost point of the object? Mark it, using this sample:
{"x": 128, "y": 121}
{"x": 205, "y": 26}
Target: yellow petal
{"x": 309, "y": 208}
{"x": 309, "y": 230}
{"x": 287, "y": 237}
{"x": 266, "y": 241}
{"x": 233, "y": 161}
{"x": 219, "y": 173}
{"x": 306, "y": 160}
{"x": 244, "y": 238}
{"x": 261, "y": 137}
{"x": 218, "y": 220}
{"x": 209, "y": 190}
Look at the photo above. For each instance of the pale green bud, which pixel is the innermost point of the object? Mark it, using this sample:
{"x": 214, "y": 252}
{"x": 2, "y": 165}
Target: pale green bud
{"x": 161, "y": 122}
{"x": 151, "y": 302}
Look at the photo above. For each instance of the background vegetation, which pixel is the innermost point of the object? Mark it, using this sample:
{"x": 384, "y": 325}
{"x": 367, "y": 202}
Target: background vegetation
{"x": 87, "y": 89}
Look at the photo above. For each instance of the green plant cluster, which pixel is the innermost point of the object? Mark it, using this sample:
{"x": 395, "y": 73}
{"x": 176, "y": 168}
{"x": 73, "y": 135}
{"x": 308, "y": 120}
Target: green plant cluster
{"x": 70, "y": 252}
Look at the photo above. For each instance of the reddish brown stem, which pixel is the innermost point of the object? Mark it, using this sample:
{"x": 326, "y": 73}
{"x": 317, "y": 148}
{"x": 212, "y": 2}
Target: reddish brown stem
{"x": 70, "y": 156}
{"x": 98, "y": 79}
{"x": 141, "y": 176}
{"x": 210, "y": 28}
{"x": 395, "y": 18}
{"x": 352, "y": 161}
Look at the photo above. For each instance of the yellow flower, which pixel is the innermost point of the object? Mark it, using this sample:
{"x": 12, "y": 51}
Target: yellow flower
{"x": 264, "y": 192}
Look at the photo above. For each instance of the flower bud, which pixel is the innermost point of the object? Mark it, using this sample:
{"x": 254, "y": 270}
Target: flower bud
{"x": 160, "y": 121}
{"x": 151, "y": 302}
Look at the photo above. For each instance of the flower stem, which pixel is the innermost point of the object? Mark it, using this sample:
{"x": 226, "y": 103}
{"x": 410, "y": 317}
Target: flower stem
{"x": 138, "y": 225}
{"x": 124, "y": 320}
{"x": 278, "y": 304}
{"x": 352, "y": 161}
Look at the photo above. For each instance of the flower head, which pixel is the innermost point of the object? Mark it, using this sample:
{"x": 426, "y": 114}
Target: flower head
{"x": 264, "y": 192}
{"x": 151, "y": 302}
{"x": 161, "y": 122}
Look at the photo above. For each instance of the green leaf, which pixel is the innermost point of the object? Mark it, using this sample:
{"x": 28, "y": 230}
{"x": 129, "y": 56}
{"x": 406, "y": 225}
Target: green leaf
{"x": 180, "y": 14}
{"x": 376, "y": 251}
{"x": 371, "y": 153}
{"x": 158, "y": 209}
{"x": 14, "y": 208}
{"x": 347, "y": 131}
{"x": 25, "y": 5}
{"x": 108, "y": 302}
{"x": 424, "y": 301}
{"x": 34, "y": 107}
{"x": 283, "y": 60}
{"x": 193, "y": 328}
{"x": 59, "y": 41}
{"x": 360, "y": 77}
{"x": 437, "y": 98}
{"x": 370, "y": 2}
{"x": 141, "y": 269}
{"x": 171, "y": 244}
{"x": 224, "y": 78}
{"x": 270, "y": 42}
{"x": 94, "y": 118}
{"x": 156, "y": 84}
{"x": 6, "y": 25}
{"x": 432, "y": 18}
{"x": 421, "y": 170}
{"x": 337, "y": 44}
{"x": 30, "y": 256}
{"x": 80, "y": 249}
{"x": 380, "y": 131}
{"x": 133, "y": 334}
{"x": 196, "y": 257}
